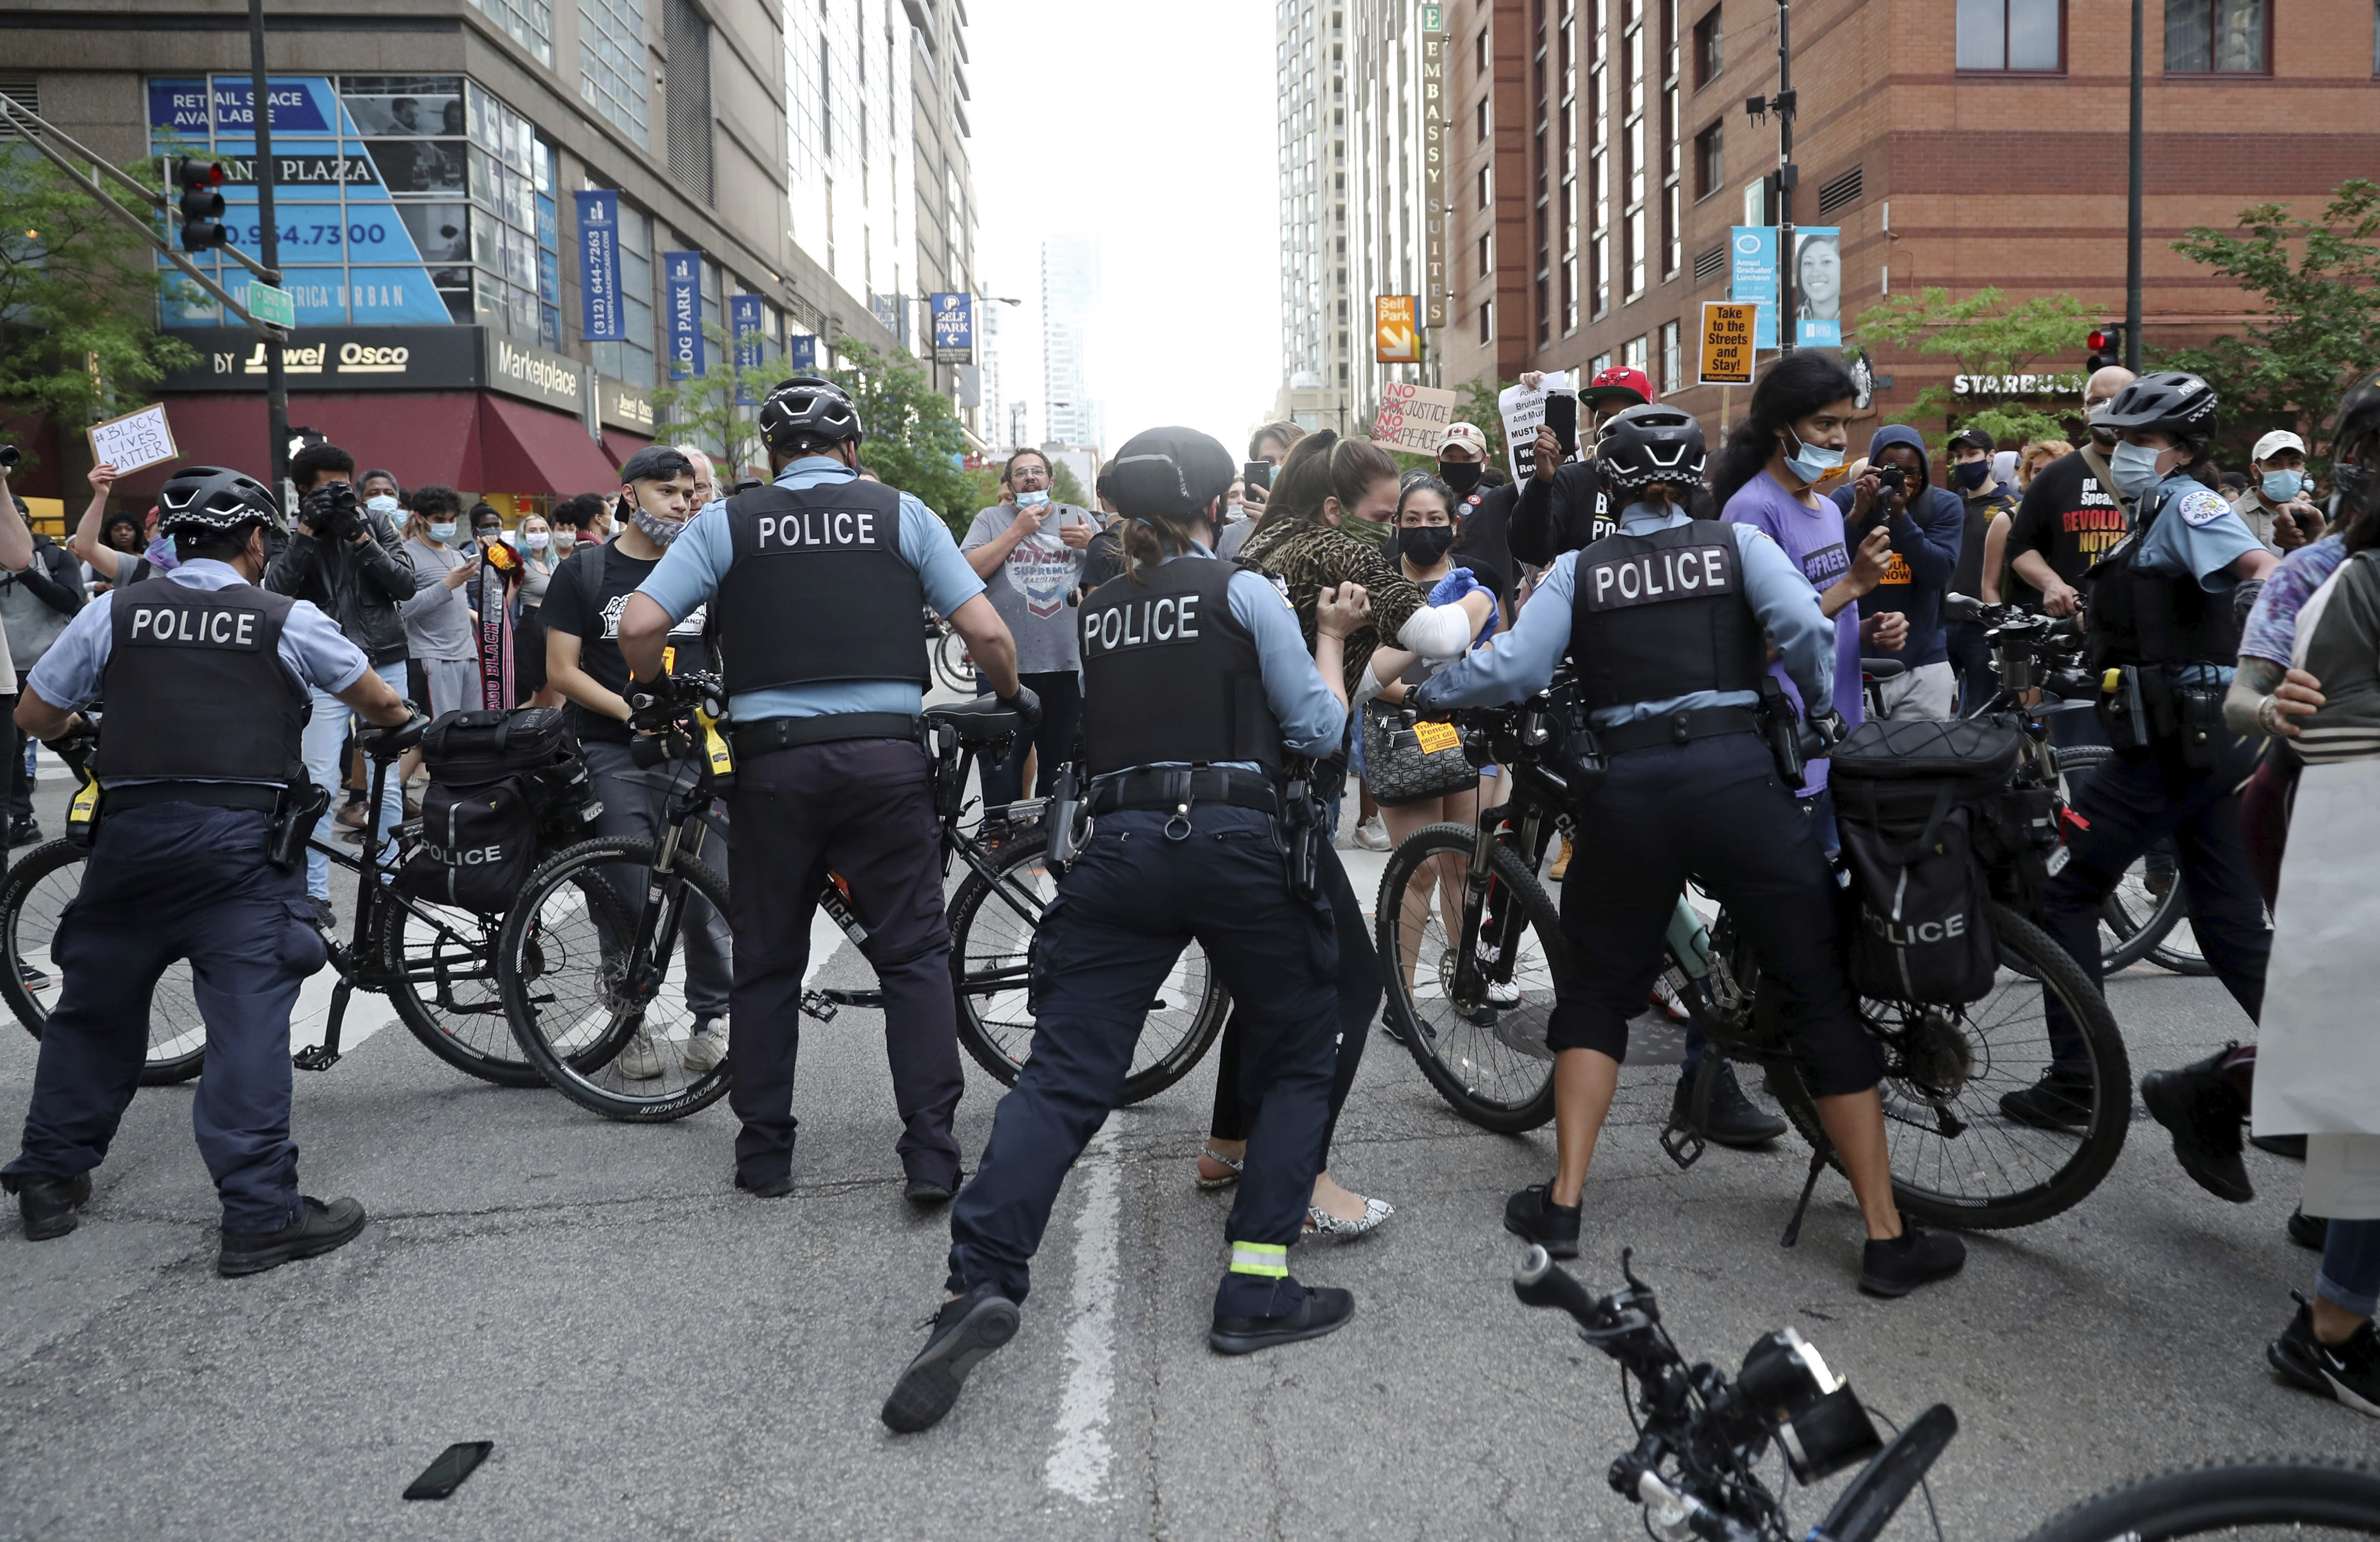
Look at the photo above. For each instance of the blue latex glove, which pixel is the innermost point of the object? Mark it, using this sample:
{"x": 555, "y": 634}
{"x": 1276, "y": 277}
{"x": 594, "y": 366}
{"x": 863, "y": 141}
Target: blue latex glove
{"x": 1453, "y": 586}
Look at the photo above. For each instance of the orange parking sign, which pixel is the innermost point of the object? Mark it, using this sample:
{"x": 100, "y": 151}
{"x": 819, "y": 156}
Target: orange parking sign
{"x": 1725, "y": 357}
{"x": 1395, "y": 339}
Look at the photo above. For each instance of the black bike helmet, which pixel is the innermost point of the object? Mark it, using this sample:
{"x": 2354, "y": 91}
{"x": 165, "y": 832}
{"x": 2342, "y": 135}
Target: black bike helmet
{"x": 808, "y": 413}
{"x": 1168, "y": 474}
{"x": 2168, "y": 401}
{"x": 213, "y": 500}
{"x": 2358, "y": 422}
{"x": 1644, "y": 445}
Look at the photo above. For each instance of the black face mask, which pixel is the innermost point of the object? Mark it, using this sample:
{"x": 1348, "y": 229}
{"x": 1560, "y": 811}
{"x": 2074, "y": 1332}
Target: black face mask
{"x": 1425, "y": 545}
{"x": 1461, "y": 475}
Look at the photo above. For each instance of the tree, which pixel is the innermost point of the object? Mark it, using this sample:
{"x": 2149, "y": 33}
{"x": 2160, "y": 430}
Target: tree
{"x": 1985, "y": 334}
{"x": 913, "y": 440}
{"x": 78, "y": 289}
{"x": 2320, "y": 281}
{"x": 705, "y": 407}
{"x": 1477, "y": 406}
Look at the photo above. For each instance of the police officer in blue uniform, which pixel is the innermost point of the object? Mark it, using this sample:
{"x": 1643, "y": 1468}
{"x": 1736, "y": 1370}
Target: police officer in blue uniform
{"x": 203, "y": 819}
{"x": 1664, "y": 623}
{"x": 2164, "y": 631}
{"x": 815, "y": 583}
{"x": 1197, "y": 691}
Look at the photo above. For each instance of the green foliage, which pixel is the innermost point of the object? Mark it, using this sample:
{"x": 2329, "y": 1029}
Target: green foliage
{"x": 914, "y": 439}
{"x": 1984, "y": 334}
{"x": 1477, "y": 405}
{"x": 76, "y": 282}
{"x": 701, "y": 410}
{"x": 2320, "y": 281}
{"x": 1066, "y": 487}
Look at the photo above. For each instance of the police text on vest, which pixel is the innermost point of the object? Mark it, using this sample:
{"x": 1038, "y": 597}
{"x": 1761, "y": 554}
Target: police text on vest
{"x": 816, "y": 528}
{"x": 1649, "y": 577}
{"x": 205, "y": 628}
{"x": 1136, "y": 623}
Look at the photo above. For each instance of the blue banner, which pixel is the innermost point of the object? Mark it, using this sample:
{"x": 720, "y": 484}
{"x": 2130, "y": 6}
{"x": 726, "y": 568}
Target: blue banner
{"x": 801, "y": 353}
{"x": 682, "y": 297}
{"x": 744, "y": 321}
{"x": 953, "y": 328}
{"x": 1751, "y": 278}
{"x": 1818, "y": 286}
{"x": 601, "y": 319}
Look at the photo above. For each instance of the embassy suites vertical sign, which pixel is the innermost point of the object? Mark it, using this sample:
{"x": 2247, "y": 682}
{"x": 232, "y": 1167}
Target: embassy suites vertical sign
{"x": 1433, "y": 163}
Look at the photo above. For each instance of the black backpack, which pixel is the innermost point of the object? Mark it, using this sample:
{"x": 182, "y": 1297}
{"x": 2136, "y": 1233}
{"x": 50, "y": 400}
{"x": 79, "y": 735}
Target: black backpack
{"x": 1912, "y": 801}
{"x": 505, "y": 788}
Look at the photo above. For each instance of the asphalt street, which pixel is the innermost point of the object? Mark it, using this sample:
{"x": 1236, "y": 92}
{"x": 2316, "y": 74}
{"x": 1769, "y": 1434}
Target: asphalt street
{"x": 655, "y": 1354}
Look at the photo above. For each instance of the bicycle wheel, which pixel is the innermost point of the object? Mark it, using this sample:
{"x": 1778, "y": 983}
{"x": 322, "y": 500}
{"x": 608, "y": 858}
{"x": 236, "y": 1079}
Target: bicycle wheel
{"x": 2303, "y": 1500}
{"x": 2148, "y": 902}
{"x": 1958, "y": 1161}
{"x": 1488, "y": 1060}
{"x": 31, "y": 902}
{"x": 991, "y": 944}
{"x": 441, "y": 965}
{"x": 562, "y": 966}
{"x": 953, "y": 665}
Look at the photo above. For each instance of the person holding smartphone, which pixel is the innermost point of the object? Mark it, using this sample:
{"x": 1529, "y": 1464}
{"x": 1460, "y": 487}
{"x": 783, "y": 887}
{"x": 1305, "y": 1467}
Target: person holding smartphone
{"x": 1030, "y": 556}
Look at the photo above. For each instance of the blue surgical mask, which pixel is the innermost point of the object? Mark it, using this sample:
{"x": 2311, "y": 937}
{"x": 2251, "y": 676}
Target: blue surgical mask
{"x": 1032, "y": 500}
{"x": 1811, "y": 462}
{"x": 383, "y": 505}
{"x": 444, "y": 530}
{"x": 2281, "y": 487}
{"x": 2135, "y": 469}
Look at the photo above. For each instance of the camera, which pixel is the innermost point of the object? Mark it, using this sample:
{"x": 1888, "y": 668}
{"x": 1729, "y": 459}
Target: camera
{"x": 10, "y": 455}
{"x": 1890, "y": 481}
{"x": 331, "y": 510}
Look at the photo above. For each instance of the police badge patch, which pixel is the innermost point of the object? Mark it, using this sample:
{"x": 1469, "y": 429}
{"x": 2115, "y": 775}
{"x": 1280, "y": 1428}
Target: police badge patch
{"x": 2202, "y": 506}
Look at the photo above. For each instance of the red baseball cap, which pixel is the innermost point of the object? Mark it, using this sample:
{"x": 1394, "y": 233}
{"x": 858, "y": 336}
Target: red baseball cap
{"x": 1617, "y": 381}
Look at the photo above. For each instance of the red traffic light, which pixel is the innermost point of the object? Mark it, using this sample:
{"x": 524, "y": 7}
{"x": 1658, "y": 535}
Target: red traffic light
{"x": 2099, "y": 342}
{"x": 199, "y": 174}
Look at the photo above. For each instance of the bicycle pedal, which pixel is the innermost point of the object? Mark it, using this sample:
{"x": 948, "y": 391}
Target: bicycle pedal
{"x": 815, "y": 1004}
{"x": 1683, "y": 1145}
{"x": 316, "y": 1058}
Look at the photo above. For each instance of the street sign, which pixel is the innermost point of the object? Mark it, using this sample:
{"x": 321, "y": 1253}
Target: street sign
{"x": 272, "y": 307}
{"x": 953, "y": 328}
{"x": 1394, "y": 339}
{"x": 1725, "y": 357}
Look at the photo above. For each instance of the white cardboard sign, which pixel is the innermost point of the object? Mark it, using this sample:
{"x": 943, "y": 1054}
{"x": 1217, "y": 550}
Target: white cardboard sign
{"x": 134, "y": 440}
{"x": 1524, "y": 412}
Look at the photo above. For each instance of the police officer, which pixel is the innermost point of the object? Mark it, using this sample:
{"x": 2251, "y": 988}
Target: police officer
{"x": 1198, "y": 691}
{"x": 815, "y": 583}
{"x": 204, "y": 811}
{"x": 2164, "y": 637}
{"x": 1671, "y": 671}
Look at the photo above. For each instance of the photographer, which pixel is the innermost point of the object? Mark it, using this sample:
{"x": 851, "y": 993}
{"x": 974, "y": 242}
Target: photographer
{"x": 1902, "y": 614}
{"x": 346, "y": 557}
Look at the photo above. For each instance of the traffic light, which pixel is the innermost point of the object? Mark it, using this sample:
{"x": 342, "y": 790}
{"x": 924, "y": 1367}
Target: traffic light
{"x": 2106, "y": 344}
{"x": 202, "y": 205}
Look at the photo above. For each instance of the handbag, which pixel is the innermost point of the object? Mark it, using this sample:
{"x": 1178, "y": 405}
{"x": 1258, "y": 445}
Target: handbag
{"x": 1410, "y": 763}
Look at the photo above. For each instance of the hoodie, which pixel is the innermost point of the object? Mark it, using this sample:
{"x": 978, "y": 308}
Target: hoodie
{"x": 1925, "y": 553}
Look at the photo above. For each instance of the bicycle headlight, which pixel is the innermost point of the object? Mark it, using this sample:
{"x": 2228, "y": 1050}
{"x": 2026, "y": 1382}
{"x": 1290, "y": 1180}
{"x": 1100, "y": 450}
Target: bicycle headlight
{"x": 1816, "y": 1418}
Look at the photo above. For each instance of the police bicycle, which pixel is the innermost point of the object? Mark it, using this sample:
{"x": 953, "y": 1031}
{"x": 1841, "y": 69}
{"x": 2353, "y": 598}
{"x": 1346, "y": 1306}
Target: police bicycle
{"x": 583, "y": 970}
{"x": 1702, "y": 1437}
{"x": 433, "y": 962}
{"x": 953, "y": 665}
{"x": 1473, "y": 996}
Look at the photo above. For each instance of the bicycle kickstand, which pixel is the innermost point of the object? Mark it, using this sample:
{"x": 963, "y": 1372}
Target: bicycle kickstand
{"x": 325, "y": 1055}
{"x": 1809, "y": 1186}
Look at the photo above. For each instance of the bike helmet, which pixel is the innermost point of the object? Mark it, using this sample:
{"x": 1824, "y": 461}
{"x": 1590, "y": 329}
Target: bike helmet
{"x": 2168, "y": 401}
{"x": 1168, "y": 474}
{"x": 1644, "y": 445}
{"x": 809, "y": 414}
{"x": 213, "y": 500}
{"x": 2358, "y": 422}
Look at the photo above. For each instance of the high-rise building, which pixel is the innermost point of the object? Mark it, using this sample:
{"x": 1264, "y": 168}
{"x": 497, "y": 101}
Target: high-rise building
{"x": 942, "y": 181}
{"x": 1070, "y": 298}
{"x": 1397, "y": 186}
{"x": 1317, "y": 329}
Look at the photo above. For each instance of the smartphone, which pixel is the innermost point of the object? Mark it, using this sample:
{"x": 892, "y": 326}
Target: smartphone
{"x": 1258, "y": 474}
{"x": 1561, "y": 416}
{"x": 444, "y": 1475}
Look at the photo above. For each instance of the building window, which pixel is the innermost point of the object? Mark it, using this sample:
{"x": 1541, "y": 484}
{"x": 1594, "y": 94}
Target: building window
{"x": 1707, "y": 39}
{"x": 2217, "y": 37}
{"x": 1710, "y": 164}
{"x": 2014, "y": 35}
{"x": 612, "y": 63}
{"x": 1483, "y": 121}
{"x": 687, "y": 35}
{"x": 1487, "y": 263}
{"x": 1633, "y": 352}
{"x": 526, "y": 23}
{"x": 1483, "y": 188}
{"x": 1486, "y": 322}
{"x": 1602, "y": 362}
{"x": 1672, "y": 362}
{"x": 1481, "y": 48}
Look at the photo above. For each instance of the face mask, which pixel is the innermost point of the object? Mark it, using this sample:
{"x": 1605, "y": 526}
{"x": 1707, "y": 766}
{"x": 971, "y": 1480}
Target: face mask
{"x": 384, "y": 505}
{"x": 443, "y": 530}
{"x": 1032, "y": 500}
{"x": 565, "y": 539}
{"x": 2135, "y": 469}
{"x": 661, "y": 532}
{"x": 1461, "y": 475}
{"x": 1972, "y": 474}
{"x": 2281, "y": 487}
{"x": 1425, "y": 545}
{"x": 1811, "y": 461}
{"x": 537, "y": 540}
{"x": 488, "y": 532}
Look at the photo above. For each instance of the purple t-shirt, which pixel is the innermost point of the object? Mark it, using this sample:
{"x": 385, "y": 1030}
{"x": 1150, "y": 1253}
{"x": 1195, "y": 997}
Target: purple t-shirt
{"x": 2271, "y": 631}
{"x": 1814, "y": 539}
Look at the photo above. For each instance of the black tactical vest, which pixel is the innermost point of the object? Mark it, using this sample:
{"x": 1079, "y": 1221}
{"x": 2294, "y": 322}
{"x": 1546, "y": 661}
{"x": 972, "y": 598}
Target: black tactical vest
{"x": 196, "y": 690}
{"x": 819, "y": 590}
{"x": 1658, "y": 615}
{"x": 2166, "y": 618}
{"x": 1169, "y": 674}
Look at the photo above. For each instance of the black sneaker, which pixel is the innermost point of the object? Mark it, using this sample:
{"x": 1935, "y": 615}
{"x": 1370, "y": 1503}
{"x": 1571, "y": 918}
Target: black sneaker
{"x": 1913, "y": 1258}
{"x": 928, "y": 1195}
{"x": 325, "y": 916}
{"x": 48, "y": 1205}
{"x": 1532, "y": 1215}
{"x": 318, "y": 1228}
{"x": 2198, "y": 1105}
{"x": 1735, "y": 1119}
{"x": 2349, "y": 1372}
{"x": 1325, "y": 1310}
{"x": 2060, "y": 1101}
{"x": 32, "y": 978}
{"x": 2309, "y": 1232}
{"x": 964, "y": 1331}
{"x": 23, "y": 832}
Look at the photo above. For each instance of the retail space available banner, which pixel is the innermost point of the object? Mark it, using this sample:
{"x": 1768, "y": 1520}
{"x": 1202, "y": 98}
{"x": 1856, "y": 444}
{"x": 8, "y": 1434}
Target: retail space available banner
{"x": 682, "y": 293}
{"x": 1817, "y": 282}
{"x": 601, "y": 319}
{"x": 953, "y": 328}
{"x": 1524, "y": 412}
{"x": 1413, "y": 417}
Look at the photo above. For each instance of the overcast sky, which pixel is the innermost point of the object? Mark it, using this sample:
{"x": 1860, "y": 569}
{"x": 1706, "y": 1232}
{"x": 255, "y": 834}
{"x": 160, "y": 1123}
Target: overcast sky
{"x": 1150, "y": 126}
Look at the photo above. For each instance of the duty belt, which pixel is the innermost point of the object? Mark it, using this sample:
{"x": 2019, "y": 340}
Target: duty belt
{"x": 784, "y": 733}
{"x": 1167, "y": 789}
{"x": 1677, "y": 727}
{"x": 261, "y": 796}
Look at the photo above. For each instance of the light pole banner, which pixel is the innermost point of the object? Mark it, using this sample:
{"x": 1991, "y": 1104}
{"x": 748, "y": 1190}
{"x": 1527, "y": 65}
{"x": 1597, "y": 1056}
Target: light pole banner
{"x": 1818, "y": 286}
{"x": 1752, "y": 276}
{"x": 682, "y": 295}
{"x": 743, "y": 321}
{"x": 599, "y": 268}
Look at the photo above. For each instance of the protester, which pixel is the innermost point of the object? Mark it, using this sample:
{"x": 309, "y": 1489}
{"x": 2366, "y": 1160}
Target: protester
{"x": 1925, "y": 524}
{"x": 1985, "y": 503}
{"x": 37, "y": 600}
{"x": 2275, "y": 504}
{"x": 439, "y": 625}
{"x": 2072, "y": 513}
{"x": 1031, "y": 560}
{"x": 539, "y": 558}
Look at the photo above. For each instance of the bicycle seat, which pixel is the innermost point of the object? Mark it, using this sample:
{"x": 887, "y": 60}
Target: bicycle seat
{"x": 980, "y": 721}
{"x": 389, "y": 743}
{"x": 1883, "y": 669}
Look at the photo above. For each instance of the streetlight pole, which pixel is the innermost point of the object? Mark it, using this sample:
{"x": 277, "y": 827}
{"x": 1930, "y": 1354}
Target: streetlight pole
{"x": 1787, "y": 325}
{"x": 2132, "y": 231}
{"x": 276, "y": 385}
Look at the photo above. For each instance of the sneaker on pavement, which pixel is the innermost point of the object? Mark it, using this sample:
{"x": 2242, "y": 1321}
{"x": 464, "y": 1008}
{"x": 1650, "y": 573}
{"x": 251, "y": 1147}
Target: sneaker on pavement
{"x": 32, "y": 978}
{"x": 1666, "y": 1001}
{"x": 965, "y": 1331}
{"x": 1372, "y": 835}
{"x": 351, "y": 816}
{"x": 2202, "y": 1110}
{"x": 2349, "y": 1373}
{"x": 1324, "y": 1309}
{"x": 48, "y": 1205}
{"x": 2059, "y": 1101}
{"x": 707, "y": 1047}
{"x": 318, "y": 1228}
{"x": 1735, "y": 1121}
{"x": 1913, "y": 1258}
{"x": 642, "y": 1060}
{"x": 1561, "y": 869}
{"x": 1532, "y": 1215}
{"x": 325, "y": 916}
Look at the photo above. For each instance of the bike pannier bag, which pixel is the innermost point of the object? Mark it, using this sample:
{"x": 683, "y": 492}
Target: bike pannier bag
{"x": 1908, "y": 797}
{"x": 503, "y": 787}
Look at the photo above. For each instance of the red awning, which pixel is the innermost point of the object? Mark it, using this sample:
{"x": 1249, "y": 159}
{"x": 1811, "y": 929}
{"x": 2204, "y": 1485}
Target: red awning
{"x": 619, "y": 444}
{"x": 526, "y": 448}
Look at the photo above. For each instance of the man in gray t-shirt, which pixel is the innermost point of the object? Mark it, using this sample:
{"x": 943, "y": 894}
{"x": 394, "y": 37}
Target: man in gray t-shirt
{"x": 1030, "y": 558}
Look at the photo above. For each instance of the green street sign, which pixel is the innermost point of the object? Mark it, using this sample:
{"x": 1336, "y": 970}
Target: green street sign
{"x": 273, "y": 307}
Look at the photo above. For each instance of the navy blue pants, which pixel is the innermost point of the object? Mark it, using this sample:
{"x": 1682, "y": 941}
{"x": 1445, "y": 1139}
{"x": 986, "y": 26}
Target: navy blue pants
{"x": 2131, "y": 802}
{"x": 167, "y": 882}
{"x": 1123, "y": 914}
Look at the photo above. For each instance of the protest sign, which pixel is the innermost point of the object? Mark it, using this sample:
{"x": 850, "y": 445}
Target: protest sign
{"x": 134, "y": 440}
{"x": 1412, "y": 417}
{"x": 1524, "y": 412}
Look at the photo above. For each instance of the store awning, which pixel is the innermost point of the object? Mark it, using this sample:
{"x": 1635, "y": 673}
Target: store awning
{"x": 528, "y": 448}
{"x": 619, "y": 444}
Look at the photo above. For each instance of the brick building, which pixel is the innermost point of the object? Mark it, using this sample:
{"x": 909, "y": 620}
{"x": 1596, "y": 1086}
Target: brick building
{"x": 1599, "y": 150}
